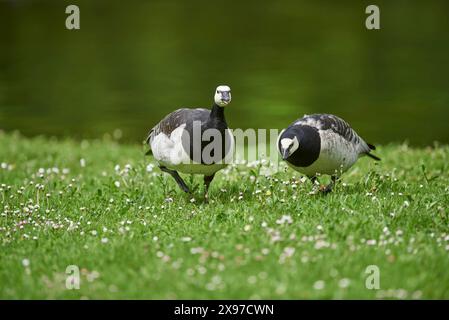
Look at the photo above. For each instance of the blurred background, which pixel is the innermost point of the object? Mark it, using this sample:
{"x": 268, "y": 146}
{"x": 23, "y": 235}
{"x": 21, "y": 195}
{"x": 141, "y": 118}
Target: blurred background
{"x": 132, "y": 62}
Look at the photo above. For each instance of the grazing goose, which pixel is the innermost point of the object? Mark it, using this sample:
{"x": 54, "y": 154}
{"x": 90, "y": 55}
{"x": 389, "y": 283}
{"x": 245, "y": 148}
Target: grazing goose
{"x": 322, "y": 144}
{"x": 179, "y": 142}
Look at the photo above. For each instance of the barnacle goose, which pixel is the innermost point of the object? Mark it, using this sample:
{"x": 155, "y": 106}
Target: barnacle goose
{"x": 322, "y": 144}
{"x": 182, "y": 141}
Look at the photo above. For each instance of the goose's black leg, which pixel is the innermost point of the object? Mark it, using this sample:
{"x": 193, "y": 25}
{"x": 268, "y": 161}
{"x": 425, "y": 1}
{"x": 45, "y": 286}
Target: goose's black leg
{"x": 331, "y": 185}
{"x": 207, "y": 181}
{"x": 178, "y": 179}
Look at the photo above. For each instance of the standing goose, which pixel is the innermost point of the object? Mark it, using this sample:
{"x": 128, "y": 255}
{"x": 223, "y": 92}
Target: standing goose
{"x": 179, "y": 142}
{"x": 322, "y": 144}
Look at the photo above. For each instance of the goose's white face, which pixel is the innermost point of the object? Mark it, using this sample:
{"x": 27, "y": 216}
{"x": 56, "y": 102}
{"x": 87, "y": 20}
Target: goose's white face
{"x": 288, "y": 146}
{"x": 222, "y": 96}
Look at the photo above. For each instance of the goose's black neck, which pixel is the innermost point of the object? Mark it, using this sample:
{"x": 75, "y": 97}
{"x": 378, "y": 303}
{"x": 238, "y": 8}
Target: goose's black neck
{"x": 309, "y": 145}
{"x": 217, "y": 113}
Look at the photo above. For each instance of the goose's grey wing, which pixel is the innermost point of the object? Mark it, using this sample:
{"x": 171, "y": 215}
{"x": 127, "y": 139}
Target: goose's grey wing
{"x": 176, "y": 119}
{"x": 336, "y": 125}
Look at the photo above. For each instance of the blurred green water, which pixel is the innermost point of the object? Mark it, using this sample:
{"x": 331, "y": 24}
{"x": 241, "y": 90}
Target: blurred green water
{"x": 132, "y": 62}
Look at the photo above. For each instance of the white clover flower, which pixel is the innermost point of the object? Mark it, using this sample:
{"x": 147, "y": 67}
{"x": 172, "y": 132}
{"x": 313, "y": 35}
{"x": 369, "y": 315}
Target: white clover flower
{"x": 319, "y": 285}
{"x": 196, "y": 250}
{"x": 289, "y": 251}
{"x": 321, "y": 244}
{"x": 26, "y": 262}
{"x": 285, "y": 219}
{"x": 344, "y": 283}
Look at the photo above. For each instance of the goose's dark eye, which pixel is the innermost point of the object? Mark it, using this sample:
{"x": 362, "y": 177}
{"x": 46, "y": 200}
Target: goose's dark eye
{"x": 218, "y": 91}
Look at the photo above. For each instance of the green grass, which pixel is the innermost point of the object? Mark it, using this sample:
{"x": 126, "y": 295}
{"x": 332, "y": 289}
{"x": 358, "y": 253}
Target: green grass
{"x": 146, "y": 239}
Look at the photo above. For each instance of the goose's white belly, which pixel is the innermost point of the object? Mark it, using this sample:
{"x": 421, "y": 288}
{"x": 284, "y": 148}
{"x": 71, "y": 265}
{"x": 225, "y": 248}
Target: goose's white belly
{"x": 336, "y": 155}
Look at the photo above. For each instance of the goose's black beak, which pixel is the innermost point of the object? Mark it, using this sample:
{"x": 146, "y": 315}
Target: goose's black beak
{"x": 225, "y": 96}
{"x": 285, "y": 154}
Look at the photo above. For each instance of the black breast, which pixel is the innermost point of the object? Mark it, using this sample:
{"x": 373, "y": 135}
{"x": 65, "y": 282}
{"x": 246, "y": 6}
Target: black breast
{"x": 309, "y": 145}
{"x": 189, "y": 139}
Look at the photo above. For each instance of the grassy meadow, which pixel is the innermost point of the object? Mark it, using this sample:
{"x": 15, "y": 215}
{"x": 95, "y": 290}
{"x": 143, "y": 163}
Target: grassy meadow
{"x": 105, "y": 208}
